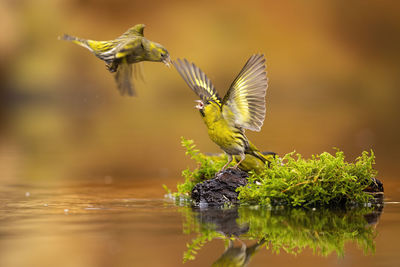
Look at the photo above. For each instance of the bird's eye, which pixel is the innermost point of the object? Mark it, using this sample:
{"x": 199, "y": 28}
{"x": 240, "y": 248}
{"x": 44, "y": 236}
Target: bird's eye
{"x": 200, "y": 104}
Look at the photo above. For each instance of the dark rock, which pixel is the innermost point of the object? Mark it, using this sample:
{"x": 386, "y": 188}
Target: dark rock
{"x": 221, "y": 189}
{"x": 375, "y": 186}
{"x": 376, "y": 190}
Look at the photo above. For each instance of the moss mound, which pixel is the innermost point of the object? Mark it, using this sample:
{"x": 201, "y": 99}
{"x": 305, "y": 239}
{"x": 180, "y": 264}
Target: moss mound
{"x": 322, "y": 180}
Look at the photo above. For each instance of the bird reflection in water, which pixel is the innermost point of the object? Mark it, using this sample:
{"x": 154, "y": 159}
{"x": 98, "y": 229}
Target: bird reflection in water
{"x": 238, "y": 256}
{"x": 225, "y": 222}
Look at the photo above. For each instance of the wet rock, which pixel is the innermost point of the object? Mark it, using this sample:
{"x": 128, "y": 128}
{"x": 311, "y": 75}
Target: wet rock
{"x": 376, "y": 190}
{"x": 221, "y": 189}
{"x": 375, "y": 186}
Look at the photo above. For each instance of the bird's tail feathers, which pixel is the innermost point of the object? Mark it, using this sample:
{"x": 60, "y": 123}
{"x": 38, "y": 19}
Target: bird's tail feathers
{"x": 76, "y": 40}
{"x": 263, "y": 156}
{"x": 67, "y": 37}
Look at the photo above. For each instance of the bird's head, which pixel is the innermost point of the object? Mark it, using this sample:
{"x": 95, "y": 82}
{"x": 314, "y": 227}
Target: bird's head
{"x": 208, "y": 108}
{"x": 162, "y": 53}
{"x": 156, "y": 52}
{"x": 165, "y": 58}
{"x": 200, "y": 106}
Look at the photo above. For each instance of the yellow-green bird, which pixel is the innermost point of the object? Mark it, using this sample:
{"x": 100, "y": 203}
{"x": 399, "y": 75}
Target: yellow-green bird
{"x": 119, "y": 54}
{"x": 243, "y": 106}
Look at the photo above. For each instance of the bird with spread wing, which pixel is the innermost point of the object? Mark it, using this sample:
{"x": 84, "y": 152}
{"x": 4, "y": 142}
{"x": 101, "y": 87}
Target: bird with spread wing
{"x": 119, "y": 54}
{"x": 243, "y": 106}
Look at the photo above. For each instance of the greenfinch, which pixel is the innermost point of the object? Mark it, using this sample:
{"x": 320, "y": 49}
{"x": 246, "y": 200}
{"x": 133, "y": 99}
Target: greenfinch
{"x": 119, "y": 54}
{"x": 243, "y": 106}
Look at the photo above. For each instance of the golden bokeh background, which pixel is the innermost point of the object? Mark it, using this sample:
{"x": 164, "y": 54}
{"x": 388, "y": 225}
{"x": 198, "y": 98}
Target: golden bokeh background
{"x": 333, "y": 68}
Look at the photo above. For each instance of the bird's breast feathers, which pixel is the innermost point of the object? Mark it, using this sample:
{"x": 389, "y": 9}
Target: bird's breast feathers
{"x": 228, "y": 139}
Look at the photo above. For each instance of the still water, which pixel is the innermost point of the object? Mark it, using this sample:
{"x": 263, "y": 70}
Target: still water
{"x": 130, "y": 224}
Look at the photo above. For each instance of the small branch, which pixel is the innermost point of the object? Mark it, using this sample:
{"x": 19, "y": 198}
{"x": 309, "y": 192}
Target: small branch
{"x": 290, "y": 187}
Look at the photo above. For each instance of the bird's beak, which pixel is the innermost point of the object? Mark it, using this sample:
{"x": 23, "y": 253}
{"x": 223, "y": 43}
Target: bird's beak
{"x": 199, "y": 104}
{"x": 167, "y": 61}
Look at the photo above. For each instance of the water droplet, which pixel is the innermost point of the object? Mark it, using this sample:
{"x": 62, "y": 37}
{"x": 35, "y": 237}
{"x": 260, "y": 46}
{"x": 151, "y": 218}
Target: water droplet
{"x": 108, "y": 179}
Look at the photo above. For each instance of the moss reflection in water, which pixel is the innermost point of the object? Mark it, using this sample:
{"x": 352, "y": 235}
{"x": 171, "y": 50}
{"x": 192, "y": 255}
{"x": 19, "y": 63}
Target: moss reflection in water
{"x": 291, "y": 230}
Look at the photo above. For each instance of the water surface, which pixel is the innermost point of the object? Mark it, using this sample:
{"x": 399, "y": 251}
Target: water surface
{"x": 131, "y": 224}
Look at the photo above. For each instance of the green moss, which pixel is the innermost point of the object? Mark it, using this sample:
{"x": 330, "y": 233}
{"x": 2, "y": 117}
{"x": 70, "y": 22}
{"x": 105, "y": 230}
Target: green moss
{"x": 208, "y": 166}
{"x": 322, "y": 180}
{"x": 323, "y": 231}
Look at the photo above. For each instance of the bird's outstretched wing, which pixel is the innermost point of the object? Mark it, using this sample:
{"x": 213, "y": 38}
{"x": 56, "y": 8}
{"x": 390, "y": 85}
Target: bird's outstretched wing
{"x": 244, "y": 103}
{"x": 197, "y": 80}
{"x": 123, "y": 77}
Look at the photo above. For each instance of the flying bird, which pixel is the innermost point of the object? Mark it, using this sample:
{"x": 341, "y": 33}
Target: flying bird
{"x": 121, "y": 53}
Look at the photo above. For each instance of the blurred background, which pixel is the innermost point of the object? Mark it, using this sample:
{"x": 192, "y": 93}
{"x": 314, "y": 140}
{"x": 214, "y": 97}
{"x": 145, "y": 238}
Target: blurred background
{"x": 333, "y": 70}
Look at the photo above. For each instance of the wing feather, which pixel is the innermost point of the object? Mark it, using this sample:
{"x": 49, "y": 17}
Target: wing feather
{"x": 244, "y": 103}
{"x": 197, "y": 80}
{"x": 123, "y": 77}
{"x": 128, "y": 47}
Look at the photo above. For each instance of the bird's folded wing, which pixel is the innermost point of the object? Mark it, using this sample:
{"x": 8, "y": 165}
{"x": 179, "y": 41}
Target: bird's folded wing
{"x": 131, "y": 46}
{"x": 197, "y": 81}
{"x": 100, "y": 47}
{"x": 244, "y": 103}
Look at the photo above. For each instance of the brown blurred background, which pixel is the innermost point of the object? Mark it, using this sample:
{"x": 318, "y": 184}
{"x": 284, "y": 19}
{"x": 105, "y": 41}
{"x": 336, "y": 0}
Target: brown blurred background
{"x": 333, "y": 68}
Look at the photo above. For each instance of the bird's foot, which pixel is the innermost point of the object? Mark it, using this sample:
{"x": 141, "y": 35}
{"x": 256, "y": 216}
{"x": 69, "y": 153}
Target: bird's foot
{"x": 235, "y": 168}
{"x": 224, "y": 168}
